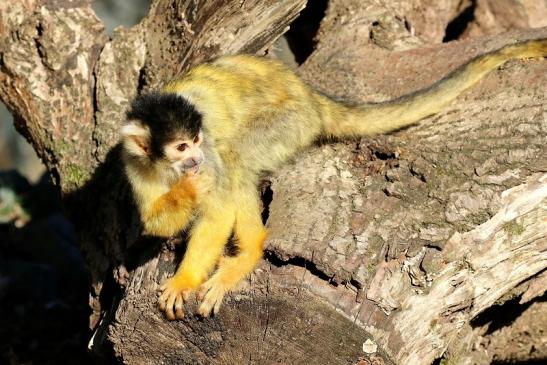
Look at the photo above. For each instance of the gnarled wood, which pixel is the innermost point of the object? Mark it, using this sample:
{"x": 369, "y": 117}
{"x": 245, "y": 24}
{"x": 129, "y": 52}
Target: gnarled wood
{"x": 401, "y": 239}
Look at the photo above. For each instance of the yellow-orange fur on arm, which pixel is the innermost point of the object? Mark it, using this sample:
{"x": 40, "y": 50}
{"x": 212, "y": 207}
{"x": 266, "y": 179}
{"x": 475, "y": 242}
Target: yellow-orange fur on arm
{"x": 171, "y": 211}
{"x": 207, "y": 240}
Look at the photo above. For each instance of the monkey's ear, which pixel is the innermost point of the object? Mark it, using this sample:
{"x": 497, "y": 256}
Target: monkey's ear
{"x": 136, "y": 138}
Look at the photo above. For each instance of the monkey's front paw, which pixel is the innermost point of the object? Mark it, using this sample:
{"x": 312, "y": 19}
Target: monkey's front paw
{"x": 211, "y": 294}
{"x": 175, "y": 291}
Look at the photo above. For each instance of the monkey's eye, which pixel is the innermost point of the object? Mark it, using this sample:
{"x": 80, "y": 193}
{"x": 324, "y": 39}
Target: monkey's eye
{"x": 181, "y": 147}
{"x": 196, "y": 139}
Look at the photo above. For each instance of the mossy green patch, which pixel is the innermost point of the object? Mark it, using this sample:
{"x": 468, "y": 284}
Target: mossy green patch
{"x": 75, "y": 175}
{"x": 513, "y": 228}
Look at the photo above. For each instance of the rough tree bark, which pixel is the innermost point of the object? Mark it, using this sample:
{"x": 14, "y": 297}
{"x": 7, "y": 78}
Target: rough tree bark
{"x": 401, "y": 239}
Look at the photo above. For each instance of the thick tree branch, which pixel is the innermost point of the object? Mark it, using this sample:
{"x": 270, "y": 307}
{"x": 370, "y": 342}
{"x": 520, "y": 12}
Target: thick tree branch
{"x": 412, "y": 233}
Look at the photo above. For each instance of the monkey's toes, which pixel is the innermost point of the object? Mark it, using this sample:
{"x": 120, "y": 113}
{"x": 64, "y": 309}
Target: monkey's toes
{"x": 211, "y": 296}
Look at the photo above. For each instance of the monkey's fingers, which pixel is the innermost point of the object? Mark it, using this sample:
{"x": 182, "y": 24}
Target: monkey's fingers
{"x": 202, "y": 291}
{"x": 162, "y": 301}
{"x": 186, "y": 295}
{"x": 179, "y": 311}
{"x": 167, "y": 285}
{"x": 211, "y": 294}
{"x": 176, "y": 291}
{"x": 169, "y": 306}
{"x": 211, "y": 304}
{"x": 216, "y": 308}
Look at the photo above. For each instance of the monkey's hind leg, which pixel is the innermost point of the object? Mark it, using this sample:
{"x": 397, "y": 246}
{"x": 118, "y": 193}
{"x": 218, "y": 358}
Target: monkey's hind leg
{"x": 205, "y": 247}
{"x": 250, "y": 234}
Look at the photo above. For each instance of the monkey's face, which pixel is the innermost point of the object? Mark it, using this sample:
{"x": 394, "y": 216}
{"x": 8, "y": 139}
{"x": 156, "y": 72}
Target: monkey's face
{"x": 171, "y": 155}
{"x": 185, "y": 155}
{"x": 163, "y": 134}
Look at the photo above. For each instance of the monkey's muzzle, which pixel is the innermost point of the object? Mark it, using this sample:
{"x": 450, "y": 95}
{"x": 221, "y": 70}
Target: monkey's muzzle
{"x": 189, "y": 166}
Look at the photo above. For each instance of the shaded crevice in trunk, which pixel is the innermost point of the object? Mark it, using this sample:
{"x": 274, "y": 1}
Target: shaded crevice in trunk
{"x": 459, "y": 24}
{"x": 266, "y": 197}
{"x": 310, "y": 266}
{"x": 303, "y": 30}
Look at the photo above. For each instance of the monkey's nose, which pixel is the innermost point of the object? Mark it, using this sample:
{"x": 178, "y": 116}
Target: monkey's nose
{"x": 193, "y": 161}
{"x": 197, "y": 160}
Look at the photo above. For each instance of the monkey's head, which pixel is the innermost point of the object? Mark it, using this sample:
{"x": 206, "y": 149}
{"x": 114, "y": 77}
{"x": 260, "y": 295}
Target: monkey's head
{"x": 163, "y": 131}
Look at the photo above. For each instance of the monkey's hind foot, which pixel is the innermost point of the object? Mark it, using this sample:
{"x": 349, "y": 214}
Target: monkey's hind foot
{"x": 175, "y": 291}
{"x": 211, "y": 294}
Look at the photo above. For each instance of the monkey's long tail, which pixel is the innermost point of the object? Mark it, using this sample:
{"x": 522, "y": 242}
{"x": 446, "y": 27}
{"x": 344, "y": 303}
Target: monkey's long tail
{"x": 342, "y": 121}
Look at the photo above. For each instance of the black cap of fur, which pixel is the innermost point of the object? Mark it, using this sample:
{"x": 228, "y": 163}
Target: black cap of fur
{"x": 166, "y": 114}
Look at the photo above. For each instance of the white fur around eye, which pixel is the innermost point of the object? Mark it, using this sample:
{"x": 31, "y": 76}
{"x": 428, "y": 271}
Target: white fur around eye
{"x": 172, "y": 153}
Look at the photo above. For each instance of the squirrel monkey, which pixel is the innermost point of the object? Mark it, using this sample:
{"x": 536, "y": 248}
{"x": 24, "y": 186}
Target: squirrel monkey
{"x": 195, "y": 150}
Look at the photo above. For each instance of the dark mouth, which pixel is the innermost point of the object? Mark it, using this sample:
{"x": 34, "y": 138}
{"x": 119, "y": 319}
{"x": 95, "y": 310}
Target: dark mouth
{"x": 193, "y": 170}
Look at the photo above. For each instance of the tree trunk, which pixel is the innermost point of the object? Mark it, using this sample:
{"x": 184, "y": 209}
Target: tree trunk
{"x": 399, "y": 241}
